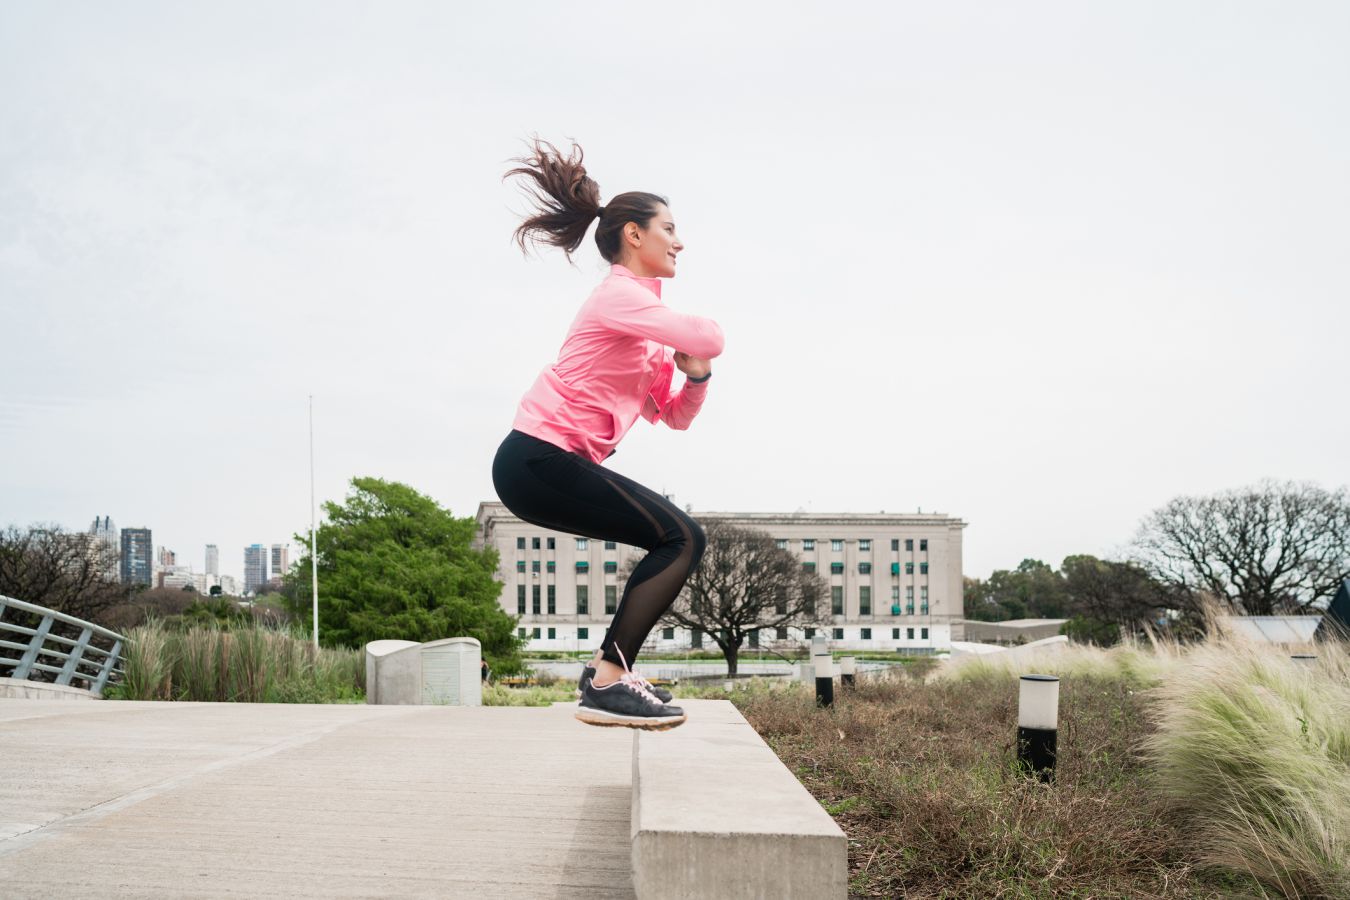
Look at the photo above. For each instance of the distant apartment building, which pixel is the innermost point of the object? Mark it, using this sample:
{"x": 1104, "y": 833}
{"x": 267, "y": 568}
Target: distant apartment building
{"x": 137, "y": 564}
{"x": 212, "y": 560}
{"x": 281, "y": 560}
{"x": 167, "y": 559}
{"x": 229, "y": 586}
{"x": 894, "y": 580}
{"x": 176, "y": 577}
{"x": 105, "y": 535}
{"x": 255, "y": 568}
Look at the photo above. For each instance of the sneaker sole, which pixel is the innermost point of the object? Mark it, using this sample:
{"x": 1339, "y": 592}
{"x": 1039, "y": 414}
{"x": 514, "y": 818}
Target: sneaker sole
{"x": 592, "y": 716}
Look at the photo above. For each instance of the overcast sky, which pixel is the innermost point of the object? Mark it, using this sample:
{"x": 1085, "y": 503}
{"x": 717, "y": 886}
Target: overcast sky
{"x": 1042, "y": 266}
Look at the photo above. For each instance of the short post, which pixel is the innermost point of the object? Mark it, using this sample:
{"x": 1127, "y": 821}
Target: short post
{"x": 1304, "y": 659}
{"x": 727, "y": 685}
{"x": 1038, "y": 724}
{"x": 848, "y": 667}
{"x": 824, "y": 679}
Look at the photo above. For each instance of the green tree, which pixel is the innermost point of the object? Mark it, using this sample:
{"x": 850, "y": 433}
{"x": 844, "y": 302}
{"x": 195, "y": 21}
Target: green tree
{"x": 394, "y": 564}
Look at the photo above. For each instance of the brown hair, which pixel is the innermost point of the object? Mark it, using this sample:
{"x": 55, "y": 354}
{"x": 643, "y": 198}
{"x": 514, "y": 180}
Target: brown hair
{"x": 566, "y": 199}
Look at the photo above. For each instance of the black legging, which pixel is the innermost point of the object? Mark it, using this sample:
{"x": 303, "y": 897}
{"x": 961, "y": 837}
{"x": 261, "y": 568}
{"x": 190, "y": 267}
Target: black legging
{"x": 555, "y": 488}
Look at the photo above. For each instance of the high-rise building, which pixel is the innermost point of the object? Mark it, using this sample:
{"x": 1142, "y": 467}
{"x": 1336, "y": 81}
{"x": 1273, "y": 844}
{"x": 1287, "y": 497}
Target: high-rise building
{"x": 255, "y": 568}
{"x": 281, "y": 559}
{"x": 105, "y": 534}
{"x": 212, "y": 559}
{"x": 137, "y": 566}
{"x": 167, "y": 558}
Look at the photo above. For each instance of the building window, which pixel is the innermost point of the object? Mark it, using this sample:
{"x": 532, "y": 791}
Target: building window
{"x": 534, "y": 566}
{"x": 837, "y": 545}
{"x": 552, "y": 633}
{"x": 923, "y": 609}
{"x": 864, "y": 600}
{"x": 909, "y": 634}
{"x": 836, "y": 568}
{"x": 864, "y": 545}
{"x": 781, "y": 543}
{"x": 520, "y": 599}
{"x": 808, "y": 544}
{"x": 909, "y": 609}
{"x": 780, "y": 607}
{"x": 923, "y": 593}
{"x": 923, "y": 634}
{"x": 552, "y": 543}
{"x": 583, "y": 633}
{"x": 895, "y": 634}
{"x": 583, "y": 600}
{"x": 867, "y": 634}
{"x": 611, "y": 545}
{"x": 611, "y": 567}
{"x": 895, "y": 543}
{"x": 696, "y": 637}
{"x": 909, "y": 568}
{"x": 611, "y": 599}
{"x": 808, "y": 633}
{"x": 520, "y": 543}
{"x": 754, "y": 639}
{"x": 909, "y": 544}
{"x": 864, "y": 568}
{"x": 808, "y": 567}
{"x": 909, "y": 593}
{"x": 552, "y": 600}
{"x": 837, "y": 600}
{"x": 923, "y": 568}
{"x": 923, "y": 543}
{"x": 583, "y": 566}
{"x": 839, "y": 634}
{"x": 667, "y": 634}
{"x": 534, "y": 543}
{"x": 781, "y": 633}
{"x": 536, "y": 634}
{"x": 581, "y": 543}
{"x": 551, "y": 567}
{"x": 520, "y": 565}
{"x": 895, "y": 592}
{"x": 520, "y": 632}
{"x": 535, "y": 603}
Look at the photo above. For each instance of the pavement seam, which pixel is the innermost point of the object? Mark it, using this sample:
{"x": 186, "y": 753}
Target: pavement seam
{"x": 23, "y": 840}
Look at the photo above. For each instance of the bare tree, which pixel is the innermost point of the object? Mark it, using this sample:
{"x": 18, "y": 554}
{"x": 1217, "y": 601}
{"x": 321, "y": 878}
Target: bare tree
{"x": 746, "y": 584}
{"x": 64, "y": 571}
{"x": 1273, "y": 547}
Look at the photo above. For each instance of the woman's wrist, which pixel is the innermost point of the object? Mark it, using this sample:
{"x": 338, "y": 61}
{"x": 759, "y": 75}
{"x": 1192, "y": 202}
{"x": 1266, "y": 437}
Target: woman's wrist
{"x": 698, "y": 380}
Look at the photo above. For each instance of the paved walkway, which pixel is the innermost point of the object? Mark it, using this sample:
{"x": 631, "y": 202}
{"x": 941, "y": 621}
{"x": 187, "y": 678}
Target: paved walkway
{"x": 111, "y": 798}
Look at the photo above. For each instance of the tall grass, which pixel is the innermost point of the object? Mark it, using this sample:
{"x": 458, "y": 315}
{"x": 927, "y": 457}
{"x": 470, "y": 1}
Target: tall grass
{"x": 1254, "y": 751}
{"x": 258, "y": 665}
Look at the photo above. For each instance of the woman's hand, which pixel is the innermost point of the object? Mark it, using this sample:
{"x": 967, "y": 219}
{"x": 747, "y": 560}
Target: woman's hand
{"x": 692, "y": 366}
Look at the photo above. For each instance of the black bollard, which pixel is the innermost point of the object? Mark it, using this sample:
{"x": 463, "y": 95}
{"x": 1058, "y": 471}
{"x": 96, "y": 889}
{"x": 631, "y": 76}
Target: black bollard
{"x": 824, "y": 679}
{"x": 1038, "y": 724}
{"x": 848, "y": 668}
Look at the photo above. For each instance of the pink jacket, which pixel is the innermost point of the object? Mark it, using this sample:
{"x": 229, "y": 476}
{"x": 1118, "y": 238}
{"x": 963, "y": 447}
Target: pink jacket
{"x": 614, "y": 365}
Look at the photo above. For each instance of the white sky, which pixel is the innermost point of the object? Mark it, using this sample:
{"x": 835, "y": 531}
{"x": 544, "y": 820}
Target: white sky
{"x": 1039, "y": 265}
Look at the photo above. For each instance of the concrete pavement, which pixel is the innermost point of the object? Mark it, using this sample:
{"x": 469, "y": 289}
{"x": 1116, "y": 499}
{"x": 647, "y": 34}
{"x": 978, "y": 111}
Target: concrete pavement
{"x": 112, "y": 798}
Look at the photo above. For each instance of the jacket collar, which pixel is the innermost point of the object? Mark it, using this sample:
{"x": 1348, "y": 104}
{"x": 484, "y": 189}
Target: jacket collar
{"x": 651, "y": 284}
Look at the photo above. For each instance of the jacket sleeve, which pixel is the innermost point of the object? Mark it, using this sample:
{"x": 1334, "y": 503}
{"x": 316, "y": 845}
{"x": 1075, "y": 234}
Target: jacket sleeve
{"x": 676, "y": 408}
{"x": 633, "y": 310}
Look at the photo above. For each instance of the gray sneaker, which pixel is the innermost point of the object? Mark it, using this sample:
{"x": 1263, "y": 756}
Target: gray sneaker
{"x": 626, "y": 703}
{"x": 588, "y": 672}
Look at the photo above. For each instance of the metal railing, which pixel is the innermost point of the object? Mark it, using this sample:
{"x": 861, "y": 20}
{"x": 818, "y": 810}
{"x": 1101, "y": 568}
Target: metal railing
{"x": 56, "y": 648}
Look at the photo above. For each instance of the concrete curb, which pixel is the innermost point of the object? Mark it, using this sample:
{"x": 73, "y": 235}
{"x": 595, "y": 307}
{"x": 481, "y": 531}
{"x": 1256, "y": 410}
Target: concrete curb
{"x": 716, "y": 813}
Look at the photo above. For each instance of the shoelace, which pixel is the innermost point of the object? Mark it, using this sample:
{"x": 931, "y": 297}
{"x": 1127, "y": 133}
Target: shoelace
{"x": 640, "y": 685}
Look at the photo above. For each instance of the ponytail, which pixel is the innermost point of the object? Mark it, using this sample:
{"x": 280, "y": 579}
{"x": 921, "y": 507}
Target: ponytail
{"x": 566, "y": 200}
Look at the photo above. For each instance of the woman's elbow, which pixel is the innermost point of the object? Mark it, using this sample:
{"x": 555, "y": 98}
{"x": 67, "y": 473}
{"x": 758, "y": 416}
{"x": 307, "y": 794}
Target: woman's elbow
{"x": 715, "y": 343}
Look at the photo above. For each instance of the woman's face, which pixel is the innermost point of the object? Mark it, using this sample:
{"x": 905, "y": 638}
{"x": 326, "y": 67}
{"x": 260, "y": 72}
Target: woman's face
{"x": 651, "y": 251}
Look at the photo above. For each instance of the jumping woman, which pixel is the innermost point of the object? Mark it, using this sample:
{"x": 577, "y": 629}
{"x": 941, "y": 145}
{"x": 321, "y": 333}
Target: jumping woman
{"x": 616, "y": 363}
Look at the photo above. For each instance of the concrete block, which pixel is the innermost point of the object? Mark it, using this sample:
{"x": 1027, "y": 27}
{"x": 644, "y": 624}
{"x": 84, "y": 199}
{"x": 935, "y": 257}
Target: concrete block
{"x": 444, "y": 672}
{"x": 717, "y": 814}
{"x": 22, "y": 689}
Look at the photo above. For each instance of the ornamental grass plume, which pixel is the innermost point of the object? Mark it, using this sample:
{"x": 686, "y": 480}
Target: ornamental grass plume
{"x": 1253, "y": 751}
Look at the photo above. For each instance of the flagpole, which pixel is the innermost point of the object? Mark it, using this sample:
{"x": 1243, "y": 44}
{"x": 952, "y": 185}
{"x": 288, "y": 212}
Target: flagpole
{"x": 313, "y": 545}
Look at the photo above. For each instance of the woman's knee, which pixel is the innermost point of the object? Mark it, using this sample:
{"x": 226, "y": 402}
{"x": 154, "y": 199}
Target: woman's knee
{"x": 698, "y": 540}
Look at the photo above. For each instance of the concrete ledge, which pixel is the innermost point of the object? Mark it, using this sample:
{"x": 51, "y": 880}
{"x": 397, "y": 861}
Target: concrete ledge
{"x": 22, "y": 689}
{"x": 717, "y": 814}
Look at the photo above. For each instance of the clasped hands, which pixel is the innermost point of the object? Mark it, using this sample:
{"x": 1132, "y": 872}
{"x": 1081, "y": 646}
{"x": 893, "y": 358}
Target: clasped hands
{"x": 692, "y": 366}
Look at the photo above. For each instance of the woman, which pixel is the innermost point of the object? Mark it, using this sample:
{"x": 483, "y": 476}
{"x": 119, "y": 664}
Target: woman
{"x": 615, "y": 364}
